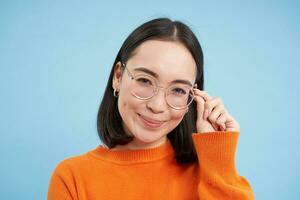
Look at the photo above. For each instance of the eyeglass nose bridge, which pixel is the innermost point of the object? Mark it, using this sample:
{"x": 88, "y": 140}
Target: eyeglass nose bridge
{"x": 157, "y": 88}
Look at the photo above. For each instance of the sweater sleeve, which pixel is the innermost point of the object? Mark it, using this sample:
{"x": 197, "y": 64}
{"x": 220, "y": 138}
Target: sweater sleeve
{"x": 218, "y": 176}
{"x": 61, "y": 186}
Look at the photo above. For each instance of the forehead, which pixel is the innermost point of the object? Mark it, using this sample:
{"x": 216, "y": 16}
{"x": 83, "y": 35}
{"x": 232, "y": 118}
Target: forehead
{"x": 168, "y": 59}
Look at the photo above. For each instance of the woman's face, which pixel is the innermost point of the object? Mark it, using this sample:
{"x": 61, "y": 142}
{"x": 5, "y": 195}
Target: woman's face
{"x": 149, "y": 121}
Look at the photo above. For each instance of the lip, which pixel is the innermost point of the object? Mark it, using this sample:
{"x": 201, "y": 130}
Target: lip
{"x": 151, "y": 123}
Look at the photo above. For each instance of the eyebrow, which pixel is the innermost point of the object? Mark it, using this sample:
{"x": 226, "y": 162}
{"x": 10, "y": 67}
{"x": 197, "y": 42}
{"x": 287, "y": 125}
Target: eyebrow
{"x": 142, "y": 69}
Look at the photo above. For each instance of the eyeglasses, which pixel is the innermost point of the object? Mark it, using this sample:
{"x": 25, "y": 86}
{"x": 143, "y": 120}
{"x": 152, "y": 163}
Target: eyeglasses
{"x": 178, "y": 96}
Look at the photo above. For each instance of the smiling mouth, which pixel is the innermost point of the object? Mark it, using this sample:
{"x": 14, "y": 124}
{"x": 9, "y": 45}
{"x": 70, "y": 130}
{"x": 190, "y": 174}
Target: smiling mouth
{"x": 151, "y": 123}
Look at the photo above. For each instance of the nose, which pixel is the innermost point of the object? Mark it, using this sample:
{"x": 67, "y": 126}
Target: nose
{"x": 157, "y": 104}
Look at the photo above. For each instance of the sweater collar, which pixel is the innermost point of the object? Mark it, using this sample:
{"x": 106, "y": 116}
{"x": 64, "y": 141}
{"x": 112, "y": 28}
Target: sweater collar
{"x": 133, "y": 156}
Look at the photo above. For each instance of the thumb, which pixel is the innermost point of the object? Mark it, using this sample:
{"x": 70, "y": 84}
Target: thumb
{"x": 200, "y": 107}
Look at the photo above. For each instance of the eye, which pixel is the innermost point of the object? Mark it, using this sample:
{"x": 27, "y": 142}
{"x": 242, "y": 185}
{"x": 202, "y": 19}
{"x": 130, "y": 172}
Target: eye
{"x": 144, "y": 81}
{"x": 179, "y": 91}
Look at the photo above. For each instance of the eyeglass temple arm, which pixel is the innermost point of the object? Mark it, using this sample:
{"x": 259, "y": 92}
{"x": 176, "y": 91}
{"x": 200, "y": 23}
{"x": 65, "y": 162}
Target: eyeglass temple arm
{"x": 129, "y": 74}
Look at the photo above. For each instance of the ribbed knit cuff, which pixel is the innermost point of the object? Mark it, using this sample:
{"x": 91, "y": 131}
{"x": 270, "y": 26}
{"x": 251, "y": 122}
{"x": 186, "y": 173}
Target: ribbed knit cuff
{"x": 216, "y": 152}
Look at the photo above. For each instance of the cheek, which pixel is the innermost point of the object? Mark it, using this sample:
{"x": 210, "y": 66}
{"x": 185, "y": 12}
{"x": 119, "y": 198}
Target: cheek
{"x": 177, "y": 116}
{"x": 175, "y": 119}
{"x": 128, "y": 103}
{"x": 125, "y": 99}
{"x": 128, "y": 107}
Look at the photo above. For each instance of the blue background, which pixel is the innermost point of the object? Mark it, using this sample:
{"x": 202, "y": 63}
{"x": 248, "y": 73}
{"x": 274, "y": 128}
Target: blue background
{"x": 55, "y": 58}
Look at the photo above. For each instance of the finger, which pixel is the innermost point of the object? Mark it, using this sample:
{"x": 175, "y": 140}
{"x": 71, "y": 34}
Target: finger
{"x": 211, "y": 104}
{"x": 221, "y": 121}
{"x": 215, "y": 126}
{"x": 231, "y": 124}
{"x": 203, "y": 94}
{"x": 216, "y": 112}
{"x": 200, "y": 106}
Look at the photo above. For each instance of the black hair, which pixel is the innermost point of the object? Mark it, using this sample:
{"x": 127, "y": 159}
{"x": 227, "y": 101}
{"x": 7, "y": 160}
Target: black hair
{"x": 109, "y": 121}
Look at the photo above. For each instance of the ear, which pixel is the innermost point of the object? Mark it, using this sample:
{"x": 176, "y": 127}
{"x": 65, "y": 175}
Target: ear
{"x": 117, "y": 76}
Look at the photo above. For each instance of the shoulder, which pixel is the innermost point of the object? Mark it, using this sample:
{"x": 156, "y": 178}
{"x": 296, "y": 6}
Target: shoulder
{"x": 73, "y": 164}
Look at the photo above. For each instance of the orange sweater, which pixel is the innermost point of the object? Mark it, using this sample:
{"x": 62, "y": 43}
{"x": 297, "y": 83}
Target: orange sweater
{"x": 153, "y": 173}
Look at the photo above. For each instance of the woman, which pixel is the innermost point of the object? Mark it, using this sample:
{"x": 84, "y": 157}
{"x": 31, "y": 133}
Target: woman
{"x": 164, "y": 137}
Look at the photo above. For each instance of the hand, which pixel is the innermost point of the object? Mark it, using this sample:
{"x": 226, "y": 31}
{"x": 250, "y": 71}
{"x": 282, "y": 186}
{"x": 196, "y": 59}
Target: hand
{"x": 212, "y": 115}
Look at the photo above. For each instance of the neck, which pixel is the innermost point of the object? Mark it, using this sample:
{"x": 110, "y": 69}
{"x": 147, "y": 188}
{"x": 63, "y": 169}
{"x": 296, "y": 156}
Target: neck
{"x": 137, "y": 144}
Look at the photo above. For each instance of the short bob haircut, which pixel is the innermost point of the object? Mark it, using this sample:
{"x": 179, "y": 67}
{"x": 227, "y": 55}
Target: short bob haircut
{"x": 109, "y": 121}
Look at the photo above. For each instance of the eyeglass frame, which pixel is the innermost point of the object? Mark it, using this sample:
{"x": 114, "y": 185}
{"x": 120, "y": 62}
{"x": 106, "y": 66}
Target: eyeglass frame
{"x": 157, "y": 89}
